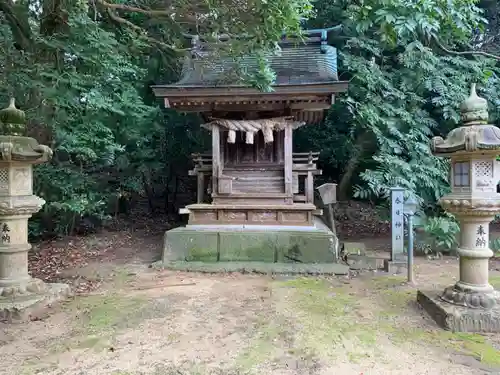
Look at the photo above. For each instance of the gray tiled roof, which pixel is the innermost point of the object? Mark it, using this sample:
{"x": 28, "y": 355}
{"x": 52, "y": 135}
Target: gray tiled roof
{"x": 298, "y": 64}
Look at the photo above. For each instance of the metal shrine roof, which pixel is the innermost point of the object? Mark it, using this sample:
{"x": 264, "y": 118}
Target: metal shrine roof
{"x": 300, "y": 62}
{"x": 306, "y": 79}
{"x": 297, "y": 64}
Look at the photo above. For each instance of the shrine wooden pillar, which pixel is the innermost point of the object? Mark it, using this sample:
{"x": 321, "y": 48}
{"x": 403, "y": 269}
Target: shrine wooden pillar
{"x": 216, "y": 167}
{"x": 288, "y": 151}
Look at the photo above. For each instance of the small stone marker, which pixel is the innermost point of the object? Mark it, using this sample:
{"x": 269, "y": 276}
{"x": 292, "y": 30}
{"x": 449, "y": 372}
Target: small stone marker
{"x": 397, "y": 223}
{"x": 328, "y": 193}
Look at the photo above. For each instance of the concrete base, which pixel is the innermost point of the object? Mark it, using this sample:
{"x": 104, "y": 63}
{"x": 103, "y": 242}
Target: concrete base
{"x": 363, "y": 262}
{"x": 456, "y": 318}
{"x": 237, "y": 243}
{"x": 395, "y": 267}
{"x": 23, "y": 308}
{"x": 257, "y": 267}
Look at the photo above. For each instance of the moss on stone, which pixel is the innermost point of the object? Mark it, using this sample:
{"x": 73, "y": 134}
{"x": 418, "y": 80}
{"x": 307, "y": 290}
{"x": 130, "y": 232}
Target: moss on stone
{"x": 183, "y": 244}
{"x": 201, "y": 255}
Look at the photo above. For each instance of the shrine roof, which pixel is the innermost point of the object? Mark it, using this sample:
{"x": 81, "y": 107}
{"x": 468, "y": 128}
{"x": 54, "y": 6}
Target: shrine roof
{"x": 308, "y": 62}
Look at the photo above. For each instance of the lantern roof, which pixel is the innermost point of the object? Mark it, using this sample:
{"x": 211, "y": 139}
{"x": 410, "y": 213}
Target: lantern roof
{"x": 475, "y": 134}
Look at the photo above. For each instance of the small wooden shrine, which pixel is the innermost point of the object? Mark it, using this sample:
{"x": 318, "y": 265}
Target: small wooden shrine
{"x": 252, "y": 176}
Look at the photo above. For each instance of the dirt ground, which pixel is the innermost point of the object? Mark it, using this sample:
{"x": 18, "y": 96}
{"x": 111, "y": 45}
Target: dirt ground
{"x": 137, "y": 320}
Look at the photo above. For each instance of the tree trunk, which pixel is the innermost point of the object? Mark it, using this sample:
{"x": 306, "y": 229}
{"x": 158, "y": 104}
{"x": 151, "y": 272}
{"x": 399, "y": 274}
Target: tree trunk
{"x": 356, "y": 155}
{"x": 17, "y": 18}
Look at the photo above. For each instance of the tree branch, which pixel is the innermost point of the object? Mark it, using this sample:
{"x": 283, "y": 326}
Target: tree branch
{"x": 147, "y": 12}
{"x": 141, "y": 31}
{"x": 466, "y": 53}
{"x": 128, "y": 8}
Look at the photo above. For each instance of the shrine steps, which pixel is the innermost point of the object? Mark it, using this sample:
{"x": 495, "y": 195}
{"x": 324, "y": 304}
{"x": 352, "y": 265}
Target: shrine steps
{"x": 257, "y": 199}
{"x": 256, "y": 181}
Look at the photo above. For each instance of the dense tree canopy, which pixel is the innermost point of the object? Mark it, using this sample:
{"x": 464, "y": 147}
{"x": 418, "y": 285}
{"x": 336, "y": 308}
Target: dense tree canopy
{"x": 81, "y": 71}
{"x": 410, "y": 65}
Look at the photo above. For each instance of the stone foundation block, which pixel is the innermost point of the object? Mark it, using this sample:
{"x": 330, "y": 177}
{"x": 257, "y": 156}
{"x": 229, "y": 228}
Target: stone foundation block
{"x": 395, "y": 267}
{"x": 227, "y": 244}
{"x": 23, "y": 308}
{"x": 265, "y": 268}
{"x": 456, "y": 318}
{"x": 362, "y": 262}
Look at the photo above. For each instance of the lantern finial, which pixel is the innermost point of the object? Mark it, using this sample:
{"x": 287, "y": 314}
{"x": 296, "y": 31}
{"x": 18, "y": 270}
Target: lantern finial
{"x": 474, "y": 110}
{"x": 12, "y": 120}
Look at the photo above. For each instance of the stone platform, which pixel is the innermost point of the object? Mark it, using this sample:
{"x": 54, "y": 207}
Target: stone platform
{"x": 264, "y": 268}
{"x": 397, "y": 265}
{"x": 24, "y": 307}
{"x": 459, "y": 319}
{"x": 253, "y": 243}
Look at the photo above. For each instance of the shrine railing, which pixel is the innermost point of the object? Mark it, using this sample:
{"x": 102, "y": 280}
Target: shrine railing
{"x": 202, "y": 161}
{"x": 305, "y": 158}
{"x": 303, "y": 171}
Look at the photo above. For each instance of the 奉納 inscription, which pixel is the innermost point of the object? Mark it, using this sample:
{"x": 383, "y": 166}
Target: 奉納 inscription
{"x": 5, "y": 238}
{"x": 480, "y": 237}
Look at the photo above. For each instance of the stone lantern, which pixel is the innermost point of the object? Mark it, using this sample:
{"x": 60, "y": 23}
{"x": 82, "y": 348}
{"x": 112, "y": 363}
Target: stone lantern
{"x": 20, "y": 294}
{"x": 472, "y": 304}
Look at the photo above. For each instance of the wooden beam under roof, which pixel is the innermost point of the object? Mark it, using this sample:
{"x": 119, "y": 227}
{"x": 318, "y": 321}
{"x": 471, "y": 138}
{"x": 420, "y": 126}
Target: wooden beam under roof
{"x": 171, "y": 91}
{"x": 237, "y": 104}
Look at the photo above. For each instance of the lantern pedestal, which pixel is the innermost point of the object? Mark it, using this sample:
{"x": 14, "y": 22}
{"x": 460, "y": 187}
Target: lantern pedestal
{"x": 473, "y": 289}
{"x": 458, "y": 318}
{"x": 472, "y": 304}
{"x": 21, "y": 296}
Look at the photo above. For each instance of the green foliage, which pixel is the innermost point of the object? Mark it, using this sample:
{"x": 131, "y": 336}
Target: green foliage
{"x": 403, "y": 90}
{"x": 441, "y": 233}
{"x": 90, "y": 105}
{"x": 81, "y": 88}
{"x": 495, "y": 245}
{"x": 82, "y": 74}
